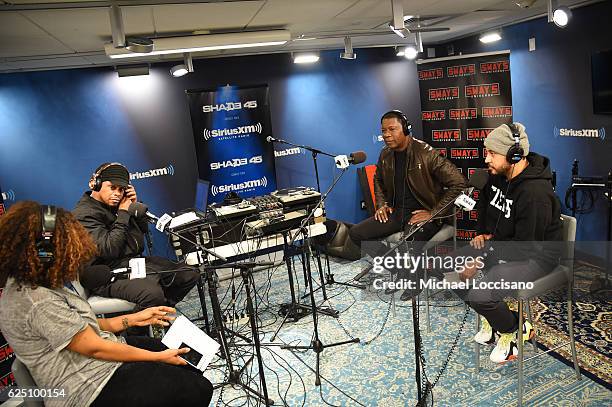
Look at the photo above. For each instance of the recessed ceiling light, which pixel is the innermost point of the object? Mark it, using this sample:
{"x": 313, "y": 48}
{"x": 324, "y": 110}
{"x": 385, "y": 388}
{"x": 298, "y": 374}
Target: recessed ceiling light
{"x": 305, "y": 58}
{"x": 490, "y": 37}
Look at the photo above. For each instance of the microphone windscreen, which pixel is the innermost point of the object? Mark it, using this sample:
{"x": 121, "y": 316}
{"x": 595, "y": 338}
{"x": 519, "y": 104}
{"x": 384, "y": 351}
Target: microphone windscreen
{"x": 358, "y": 157}
{"x": 479, "y": 178}
{"x": 137, "y": 209}
{"x": 92, "y": 277}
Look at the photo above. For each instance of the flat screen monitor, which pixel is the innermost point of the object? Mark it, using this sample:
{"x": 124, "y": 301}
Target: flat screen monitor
{"x": 201, "y": 197}
{"x": 601, "y": 77}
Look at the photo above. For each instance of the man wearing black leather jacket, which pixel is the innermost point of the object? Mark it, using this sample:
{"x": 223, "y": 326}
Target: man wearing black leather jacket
{"x": 412, "y": 182}
{"x": 119, "y": 232}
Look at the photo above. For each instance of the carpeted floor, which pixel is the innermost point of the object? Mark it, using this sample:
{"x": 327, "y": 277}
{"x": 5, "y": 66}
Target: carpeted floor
{"x": 380, "y": 370}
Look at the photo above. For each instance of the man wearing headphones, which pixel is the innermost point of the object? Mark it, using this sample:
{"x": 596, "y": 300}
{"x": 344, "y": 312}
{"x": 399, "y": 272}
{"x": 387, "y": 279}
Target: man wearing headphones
{"x": 412, "y": 182}
{"x": 108, "y": 213}
{"x": 518, "y": 228}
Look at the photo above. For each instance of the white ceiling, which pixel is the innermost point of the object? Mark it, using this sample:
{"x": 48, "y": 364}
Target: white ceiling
{"x": 53, "y": 34}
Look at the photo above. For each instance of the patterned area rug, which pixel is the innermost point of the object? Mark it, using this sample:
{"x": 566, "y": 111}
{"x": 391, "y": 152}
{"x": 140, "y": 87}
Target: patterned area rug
{"x": 592, "y": 325}
{"x": 380, "y": 370}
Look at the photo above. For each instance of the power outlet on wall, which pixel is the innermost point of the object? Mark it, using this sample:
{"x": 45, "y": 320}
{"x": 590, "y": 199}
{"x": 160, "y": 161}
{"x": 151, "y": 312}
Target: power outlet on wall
{"x": 532, "y": 45}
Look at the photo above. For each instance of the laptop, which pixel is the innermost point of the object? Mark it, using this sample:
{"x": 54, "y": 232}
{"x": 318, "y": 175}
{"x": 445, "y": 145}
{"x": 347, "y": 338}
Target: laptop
{"x": 201, "y": 196}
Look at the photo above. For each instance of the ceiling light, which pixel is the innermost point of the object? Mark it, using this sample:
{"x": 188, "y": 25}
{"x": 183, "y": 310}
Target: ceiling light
{"x": 305, "y": 58}
{"x": 184, "y": 68}
{"x": 139, "y": 45}
{"x": 561, "y": 16}
{"x": 132, "y": 70}
{"x": 410, "y": 52}
{"x": 489, "y": 37}
{"x": 179, "y": 70}
{"x": 397, "y": 24}
{"x": 195, "y": 43}
{"x": 348, "y": 49}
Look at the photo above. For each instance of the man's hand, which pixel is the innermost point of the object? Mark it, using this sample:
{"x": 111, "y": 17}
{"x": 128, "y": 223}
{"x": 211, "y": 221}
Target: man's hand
{"x": 130, "y": 193}
{"x": 382, "y": 214}
{"x": 419, "y": 216}
{"x": 125, "y": 203}
{"x": 152, "y": 316}
{"x": 479, "y": 241}
{"x": 468, "y": 273}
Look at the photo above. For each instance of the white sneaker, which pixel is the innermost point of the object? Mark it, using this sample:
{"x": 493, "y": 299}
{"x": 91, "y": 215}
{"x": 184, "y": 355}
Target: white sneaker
{"x": 486, "y": 335}
{"x": 507, "y": 348}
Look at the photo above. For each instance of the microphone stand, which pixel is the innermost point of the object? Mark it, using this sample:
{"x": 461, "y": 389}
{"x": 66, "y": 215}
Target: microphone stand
{"x": 418, "y": 349}
{"x": 316, "y": 343}
{"x": 234, "y": 376}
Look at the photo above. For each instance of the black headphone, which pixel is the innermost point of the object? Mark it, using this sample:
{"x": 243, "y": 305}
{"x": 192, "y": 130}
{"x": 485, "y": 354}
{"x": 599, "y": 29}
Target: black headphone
{"x": 516, "y": 152}
{"x": 95, "y": 177}
{"x": 44, "y": 245}
{"x": 406, "y": 125}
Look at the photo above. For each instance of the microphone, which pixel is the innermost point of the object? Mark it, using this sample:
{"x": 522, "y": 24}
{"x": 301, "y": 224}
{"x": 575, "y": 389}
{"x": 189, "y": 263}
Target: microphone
{"x": 343, "y": 161}
{"x": 478, "y": 180}
{"x": 140, "y": 210}
{"x": 92, "y": 277}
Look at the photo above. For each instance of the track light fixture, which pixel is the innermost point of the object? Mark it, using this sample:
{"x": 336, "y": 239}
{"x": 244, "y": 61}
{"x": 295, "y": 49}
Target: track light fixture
{"x": 348, "y": 49}
{"x": 410, "y": 52}
{"x": 558, "y": 15}
{"x": 183, "y": 69}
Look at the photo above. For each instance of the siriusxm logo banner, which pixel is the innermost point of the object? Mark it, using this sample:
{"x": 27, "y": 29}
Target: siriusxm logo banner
{"x": 241, "y": 187}
{"x": 156, "y": 172}
{"x": 236, "y": 162}
{"x": 288, "y": 152}
{"x": 236, "y": 131}
{"x": 588, "y": 133}
{"x": 229, "y": 106}
{"x": 8, "y": 195}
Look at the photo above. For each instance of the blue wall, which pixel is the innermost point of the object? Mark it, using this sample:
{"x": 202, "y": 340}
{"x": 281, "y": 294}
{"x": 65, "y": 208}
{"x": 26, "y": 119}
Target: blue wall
{"x": 57, "y": 126}
{"x": 551, "y": 87}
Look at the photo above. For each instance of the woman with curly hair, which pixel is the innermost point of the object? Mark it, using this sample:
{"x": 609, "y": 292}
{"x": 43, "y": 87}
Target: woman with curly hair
{"x": 54, "y": 332}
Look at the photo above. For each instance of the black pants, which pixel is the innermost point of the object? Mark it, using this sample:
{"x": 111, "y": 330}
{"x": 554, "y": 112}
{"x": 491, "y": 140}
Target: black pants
{"x": 370, "y": 229}
{"x": 154, "y": 383}
{"x": 490, "y": 302}
{"x": 156, "y": 289}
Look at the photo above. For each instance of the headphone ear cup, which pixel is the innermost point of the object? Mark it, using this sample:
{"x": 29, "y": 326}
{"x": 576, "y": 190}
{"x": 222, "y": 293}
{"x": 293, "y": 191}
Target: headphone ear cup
{"x": 97, "y": 184}
{"x": 514, "y": 155}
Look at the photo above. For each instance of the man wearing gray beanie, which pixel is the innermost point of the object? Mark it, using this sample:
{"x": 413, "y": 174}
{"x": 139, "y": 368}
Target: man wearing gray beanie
{"x": 516, "y": 208}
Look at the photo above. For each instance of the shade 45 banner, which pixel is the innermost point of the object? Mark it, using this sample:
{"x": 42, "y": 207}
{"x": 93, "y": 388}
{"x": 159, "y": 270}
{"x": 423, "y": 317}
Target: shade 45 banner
{"x": 462, "y": 100}
{"x": 230, "y": 126}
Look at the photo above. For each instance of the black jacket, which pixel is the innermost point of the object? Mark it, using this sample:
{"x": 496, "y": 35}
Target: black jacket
{"x": 529, "y": 212}
{"x": 118, "y": 235}
{"x": 433, "y": 180}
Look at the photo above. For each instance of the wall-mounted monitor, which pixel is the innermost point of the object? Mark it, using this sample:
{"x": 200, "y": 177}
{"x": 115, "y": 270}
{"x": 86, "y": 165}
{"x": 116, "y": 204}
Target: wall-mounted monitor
{"x": 601, "y": 77}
